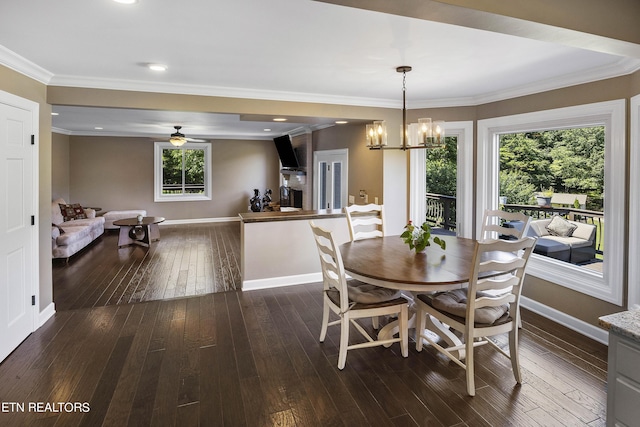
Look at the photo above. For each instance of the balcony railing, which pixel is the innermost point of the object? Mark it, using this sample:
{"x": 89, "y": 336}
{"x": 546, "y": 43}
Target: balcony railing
{"x": 180, "y": 189}
{"x": 441, "y": 211}
{"x": 580, "y": 215}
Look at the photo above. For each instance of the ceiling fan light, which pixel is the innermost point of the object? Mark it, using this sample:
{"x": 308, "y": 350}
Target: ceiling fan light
{"x": 177, "y": 141}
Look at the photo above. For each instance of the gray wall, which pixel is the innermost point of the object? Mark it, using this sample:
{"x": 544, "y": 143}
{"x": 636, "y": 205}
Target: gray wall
{"x": 365, "y": 166}
{"x": 60, "y": 166}
{"x": 117, "y": 173}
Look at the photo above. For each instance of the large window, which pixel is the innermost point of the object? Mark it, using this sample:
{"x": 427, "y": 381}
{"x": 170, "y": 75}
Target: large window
{"x": 423, "y": 177}
{"x": 558, "y": 172}
{"x": 634, "y": 209}
{"x": 608, "y": 283}
{"x": 182, "y": 173}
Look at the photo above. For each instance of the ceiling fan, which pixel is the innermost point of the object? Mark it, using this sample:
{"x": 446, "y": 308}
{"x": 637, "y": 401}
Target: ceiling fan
{"x": 178, "y": 139}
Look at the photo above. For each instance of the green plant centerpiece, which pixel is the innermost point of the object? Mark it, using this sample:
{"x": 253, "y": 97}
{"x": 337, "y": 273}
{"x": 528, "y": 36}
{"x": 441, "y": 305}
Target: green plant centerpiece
{"x": 419, "y": 238}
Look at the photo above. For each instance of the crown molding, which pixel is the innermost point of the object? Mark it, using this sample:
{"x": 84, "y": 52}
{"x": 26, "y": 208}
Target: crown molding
{"x": 161, "y": 137}
{"x": 60, "y": 131}
{"x": 620, "y": 68}
{"x": 22, "y": 65}
{"x": 225, "y": 92}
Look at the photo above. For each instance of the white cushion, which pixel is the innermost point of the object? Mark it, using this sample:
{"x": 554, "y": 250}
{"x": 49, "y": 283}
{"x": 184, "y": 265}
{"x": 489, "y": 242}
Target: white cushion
{"x": 111, "y": 216}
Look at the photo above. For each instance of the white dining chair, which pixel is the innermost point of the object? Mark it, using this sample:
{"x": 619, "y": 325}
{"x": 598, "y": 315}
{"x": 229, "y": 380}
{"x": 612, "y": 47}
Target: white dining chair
{"x": 494, "y": 225}
{"x": 477, "y": 314}
{"x": 365, "y": 221}
{"x": 351, "y": 300}
{"x": 500, "y": 224}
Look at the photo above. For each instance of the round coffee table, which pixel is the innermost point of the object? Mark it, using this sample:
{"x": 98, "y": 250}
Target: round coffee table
{"x": 137, "y": 232}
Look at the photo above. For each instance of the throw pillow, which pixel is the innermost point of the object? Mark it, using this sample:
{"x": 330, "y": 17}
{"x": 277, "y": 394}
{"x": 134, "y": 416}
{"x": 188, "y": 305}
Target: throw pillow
{"x": 71, "y": 212}
{"x": 560, "y": 227}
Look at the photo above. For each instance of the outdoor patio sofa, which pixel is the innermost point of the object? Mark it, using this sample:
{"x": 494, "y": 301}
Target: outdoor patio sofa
{"x": 566, "y": 240}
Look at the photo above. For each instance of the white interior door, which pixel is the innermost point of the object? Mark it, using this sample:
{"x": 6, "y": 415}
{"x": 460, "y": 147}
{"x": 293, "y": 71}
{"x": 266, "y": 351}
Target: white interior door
{"x": 330, "y": 174}
{"x": 18, "y": 233}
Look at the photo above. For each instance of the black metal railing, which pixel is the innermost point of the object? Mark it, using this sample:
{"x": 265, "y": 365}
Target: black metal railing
{"x": 580, "y": 215}
{"x": 441, "y": 211}
{"x": 180, "y": 189}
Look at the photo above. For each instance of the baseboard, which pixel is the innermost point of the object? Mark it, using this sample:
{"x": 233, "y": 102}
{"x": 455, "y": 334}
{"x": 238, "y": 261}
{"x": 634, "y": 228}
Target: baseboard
{"x": 199, "y": 220}
{"x": 276, "y": 282}
{"x": 46, "y": 314}
{"x": 582, "y": 327}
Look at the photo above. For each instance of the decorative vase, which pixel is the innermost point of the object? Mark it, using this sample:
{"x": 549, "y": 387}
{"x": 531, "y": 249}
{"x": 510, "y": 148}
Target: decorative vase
{"x": 139, "y": 218}
{"x": 255, "y": 203}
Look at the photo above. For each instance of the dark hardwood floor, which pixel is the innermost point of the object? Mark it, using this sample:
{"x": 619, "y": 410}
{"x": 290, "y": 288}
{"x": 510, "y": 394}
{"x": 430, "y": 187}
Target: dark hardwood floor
{"x": 253, "y": 359}
{"x": 188, "y": 260}
{"x": 238, "y": 358}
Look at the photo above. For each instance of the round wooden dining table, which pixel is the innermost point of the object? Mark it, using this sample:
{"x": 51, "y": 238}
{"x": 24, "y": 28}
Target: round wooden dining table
{"x": 388, "y": 262}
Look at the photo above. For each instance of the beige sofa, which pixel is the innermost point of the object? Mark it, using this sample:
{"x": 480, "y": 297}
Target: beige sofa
{"x": 68, "y": 237}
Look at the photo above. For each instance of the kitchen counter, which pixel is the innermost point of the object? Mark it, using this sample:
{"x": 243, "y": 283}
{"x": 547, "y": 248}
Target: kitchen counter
{"x": 626, "y": 324}
{"x": 278, "y": 249}
{"x": 270, "y": 216}
{"x": 623, "y": 375}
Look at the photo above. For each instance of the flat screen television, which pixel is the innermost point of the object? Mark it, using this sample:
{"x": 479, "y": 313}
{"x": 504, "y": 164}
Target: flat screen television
{"x": 286, "y": 152}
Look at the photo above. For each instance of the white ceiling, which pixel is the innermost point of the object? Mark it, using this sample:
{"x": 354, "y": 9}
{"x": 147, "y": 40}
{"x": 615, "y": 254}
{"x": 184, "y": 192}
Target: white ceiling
{"x": 297, "y": 50}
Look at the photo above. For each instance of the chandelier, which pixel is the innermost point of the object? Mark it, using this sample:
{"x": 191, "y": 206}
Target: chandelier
{"x": 426, "y": 133}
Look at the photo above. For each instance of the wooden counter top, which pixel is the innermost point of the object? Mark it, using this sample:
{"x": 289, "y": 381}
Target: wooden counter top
{"x": 248, "y": 217}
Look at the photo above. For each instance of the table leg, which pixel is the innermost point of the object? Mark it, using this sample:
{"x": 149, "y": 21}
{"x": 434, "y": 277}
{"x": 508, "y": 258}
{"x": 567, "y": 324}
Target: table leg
{"x": 439, "y": 329}
{"x": 123, "y": 237}
{"x": 154, "y": 232}
{"x": 435, "y": 328}
{"x": 145, "y": 236}
{"x": 128, "y": 237}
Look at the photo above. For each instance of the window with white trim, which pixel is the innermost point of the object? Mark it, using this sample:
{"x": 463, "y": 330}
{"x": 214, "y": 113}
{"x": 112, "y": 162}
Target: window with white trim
{"x": 634, "y": 208}
{"x": 463, "y": 132}
{"x": 182, "y": 173}
{"x": 608, "y": 284}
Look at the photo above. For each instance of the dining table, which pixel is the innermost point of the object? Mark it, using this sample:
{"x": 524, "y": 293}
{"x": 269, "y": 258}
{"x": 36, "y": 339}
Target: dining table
{"x": 388, "y": 262}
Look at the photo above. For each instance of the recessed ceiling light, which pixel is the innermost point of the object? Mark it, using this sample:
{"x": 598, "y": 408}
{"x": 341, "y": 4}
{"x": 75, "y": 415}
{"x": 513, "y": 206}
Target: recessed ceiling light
{"x": 157, "y": 67}
{"x": 341, "y": 122}
{"x": 54, "y": 114}
{"x": 279, "y": 119}
{"x": 126, "y": 1}
{"x": 98, "y": 128}
{"x": 267, "y": 130}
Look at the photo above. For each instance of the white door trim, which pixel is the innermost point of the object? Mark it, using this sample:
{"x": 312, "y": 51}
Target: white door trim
{"x": 33, "y": 108}
{"x": 342, "y": 152}
{"x": 463, "y": 131}
{"x": 633, "y": 291}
